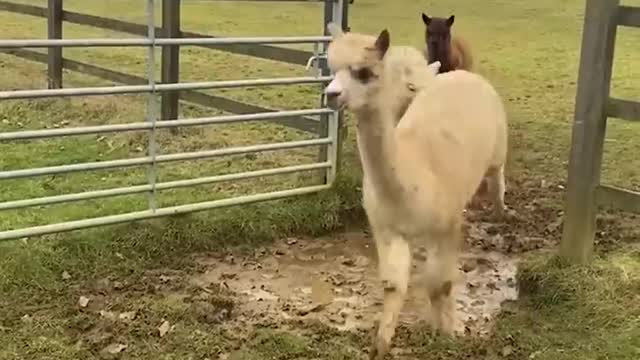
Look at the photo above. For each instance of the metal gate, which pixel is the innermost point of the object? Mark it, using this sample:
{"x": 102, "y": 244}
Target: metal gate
{"x": 335, "y": 10}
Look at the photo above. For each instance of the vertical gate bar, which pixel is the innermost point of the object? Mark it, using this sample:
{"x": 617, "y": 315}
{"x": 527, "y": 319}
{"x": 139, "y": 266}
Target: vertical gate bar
{"x": 333, "y": 147}
{"x": 345, "y": 15}
{"x": 323, "y": 127}
{"x": 342, "y": 129}
{"x": 337, "y": 118}
{"x": 152, "y": 103}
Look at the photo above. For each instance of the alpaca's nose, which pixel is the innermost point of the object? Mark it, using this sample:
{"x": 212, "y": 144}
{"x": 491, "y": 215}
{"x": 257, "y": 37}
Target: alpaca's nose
{"x": 333, "y": 90}
{"x": 332, "y": 95}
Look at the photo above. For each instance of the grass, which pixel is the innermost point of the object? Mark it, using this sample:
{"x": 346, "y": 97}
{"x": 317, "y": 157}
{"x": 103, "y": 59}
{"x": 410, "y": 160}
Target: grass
{"x": 565, "y": 312}
{"x": 530, "y": 52}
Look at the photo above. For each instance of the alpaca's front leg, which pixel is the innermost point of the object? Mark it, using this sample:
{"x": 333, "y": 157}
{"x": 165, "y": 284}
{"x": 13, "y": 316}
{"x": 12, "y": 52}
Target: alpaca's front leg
{"x": 394, "y": 257}
{"x": 441, "y": 270}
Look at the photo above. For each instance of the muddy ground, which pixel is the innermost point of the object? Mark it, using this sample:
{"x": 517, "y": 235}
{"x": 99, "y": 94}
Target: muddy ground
{"x": 332, "y": 280}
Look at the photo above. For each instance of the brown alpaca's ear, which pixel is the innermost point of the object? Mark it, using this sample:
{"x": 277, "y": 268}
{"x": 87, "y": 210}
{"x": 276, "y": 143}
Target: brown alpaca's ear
{"x": 425, "y": 19}
{"x": 382, "y": 43}
{"x": 450, "y": 20}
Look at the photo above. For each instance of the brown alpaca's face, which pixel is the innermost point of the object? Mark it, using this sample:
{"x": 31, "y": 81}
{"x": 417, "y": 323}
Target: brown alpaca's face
{"x": 356, "y": 62}
{"x": 438, "y": 30}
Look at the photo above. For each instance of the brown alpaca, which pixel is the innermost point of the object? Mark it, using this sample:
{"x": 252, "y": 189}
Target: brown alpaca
{"x": 452, "y": 52}
{"x": 419, "y": 174}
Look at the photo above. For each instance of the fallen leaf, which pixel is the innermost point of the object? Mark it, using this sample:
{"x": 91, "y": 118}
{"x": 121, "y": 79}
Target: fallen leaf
{"x": 310, "y": 308}
{"x": 83, "y": 301}
{"x": 127, "y": 316}
{"x": 108, "y": 314}
{"x": 114, "y": 349}
{"x": 507, "y": 350}
{"x": 66, "y": 275}
{"x": 164, "y": 328}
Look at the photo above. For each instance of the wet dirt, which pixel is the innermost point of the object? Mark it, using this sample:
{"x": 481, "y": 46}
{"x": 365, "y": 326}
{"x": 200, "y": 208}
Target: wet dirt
{"x": 334, "y": 280}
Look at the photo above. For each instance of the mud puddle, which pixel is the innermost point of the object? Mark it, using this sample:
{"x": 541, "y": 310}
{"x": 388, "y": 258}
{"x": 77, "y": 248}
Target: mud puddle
{"x": 335, "y": 281}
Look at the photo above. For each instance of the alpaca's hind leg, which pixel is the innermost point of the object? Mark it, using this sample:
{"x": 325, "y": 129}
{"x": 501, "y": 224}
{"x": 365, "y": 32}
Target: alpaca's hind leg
{"x": 394, "y": 259}
{"x": 496, "y": 189}
{"x": 479, "y": 195}
{"x": 441, "y": 273}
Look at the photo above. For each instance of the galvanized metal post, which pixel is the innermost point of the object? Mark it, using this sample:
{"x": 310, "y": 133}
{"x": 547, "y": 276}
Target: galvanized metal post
{"x": 152, "y": 103}
{"x": 333, "y": 12}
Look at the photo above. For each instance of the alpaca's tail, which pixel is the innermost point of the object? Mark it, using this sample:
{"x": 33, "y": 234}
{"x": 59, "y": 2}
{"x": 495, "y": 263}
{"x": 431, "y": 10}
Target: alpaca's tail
{"x": 461, "y": 53}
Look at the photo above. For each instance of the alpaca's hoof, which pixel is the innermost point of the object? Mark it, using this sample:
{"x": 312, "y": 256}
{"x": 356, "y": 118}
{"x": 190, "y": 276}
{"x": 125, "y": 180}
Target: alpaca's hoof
{"x": 379, "y": 350}
{"x": 379, "y": 347}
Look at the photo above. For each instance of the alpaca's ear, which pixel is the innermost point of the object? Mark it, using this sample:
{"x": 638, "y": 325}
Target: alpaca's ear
{"x": 334, "y": 30}
{"x": 450, "y": 20}
{"x": 425, "y": 19}
{"x": 382, "y": 43}
{"x": 434, "y": 67}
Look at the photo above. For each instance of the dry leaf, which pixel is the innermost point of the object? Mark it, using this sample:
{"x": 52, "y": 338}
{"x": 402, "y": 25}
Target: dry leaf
{"x": 507, "y": 350}
{"x": 108, "y": 314}
{"x": 164, "y": 328}
{"x": 83, "y": 301}
{"x": 114, "y": 349}
{"x": 127, "y": 316}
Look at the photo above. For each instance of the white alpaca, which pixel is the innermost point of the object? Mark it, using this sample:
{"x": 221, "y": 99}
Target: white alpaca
{"x": 418, "y": 175}
{"x": 406, "y": 71}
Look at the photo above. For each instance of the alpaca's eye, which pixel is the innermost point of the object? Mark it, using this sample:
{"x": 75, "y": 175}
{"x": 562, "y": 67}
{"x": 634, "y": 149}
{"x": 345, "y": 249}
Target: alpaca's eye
{"x": 363, "y": 75}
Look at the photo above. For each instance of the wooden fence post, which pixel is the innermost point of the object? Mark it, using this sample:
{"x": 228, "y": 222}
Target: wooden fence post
{"x": 594, "y": 79}
{"x": 54, "y": 31}
{"x": 170, "y": 58}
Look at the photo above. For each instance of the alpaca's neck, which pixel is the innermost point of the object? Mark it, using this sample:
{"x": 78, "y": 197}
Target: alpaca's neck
{"x": 440, "y": 51}
{"x": 378, "y": 150}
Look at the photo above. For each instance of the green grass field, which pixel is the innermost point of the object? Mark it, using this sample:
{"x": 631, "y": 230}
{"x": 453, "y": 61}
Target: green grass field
{"x": 528, "y": 49}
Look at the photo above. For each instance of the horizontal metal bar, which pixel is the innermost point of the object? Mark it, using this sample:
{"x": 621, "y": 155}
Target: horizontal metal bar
{"x": 150, "y": 214}
{"x": 137, "y": 89}
{"x": 623, "y": 109}
{"x": 629, "y": 16}
{"x": 620, "y": 199}
{"x": 304, "y": 123}
{"x": 89, "y": 130}
{"x": 243, "y": 40}
{"x": 287, "y": 55}
{"x": 38, "y": 43}
{"x": 138, "y": 189}
{"x": 112, "y": 164}
{"x": 69, "y": 43}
